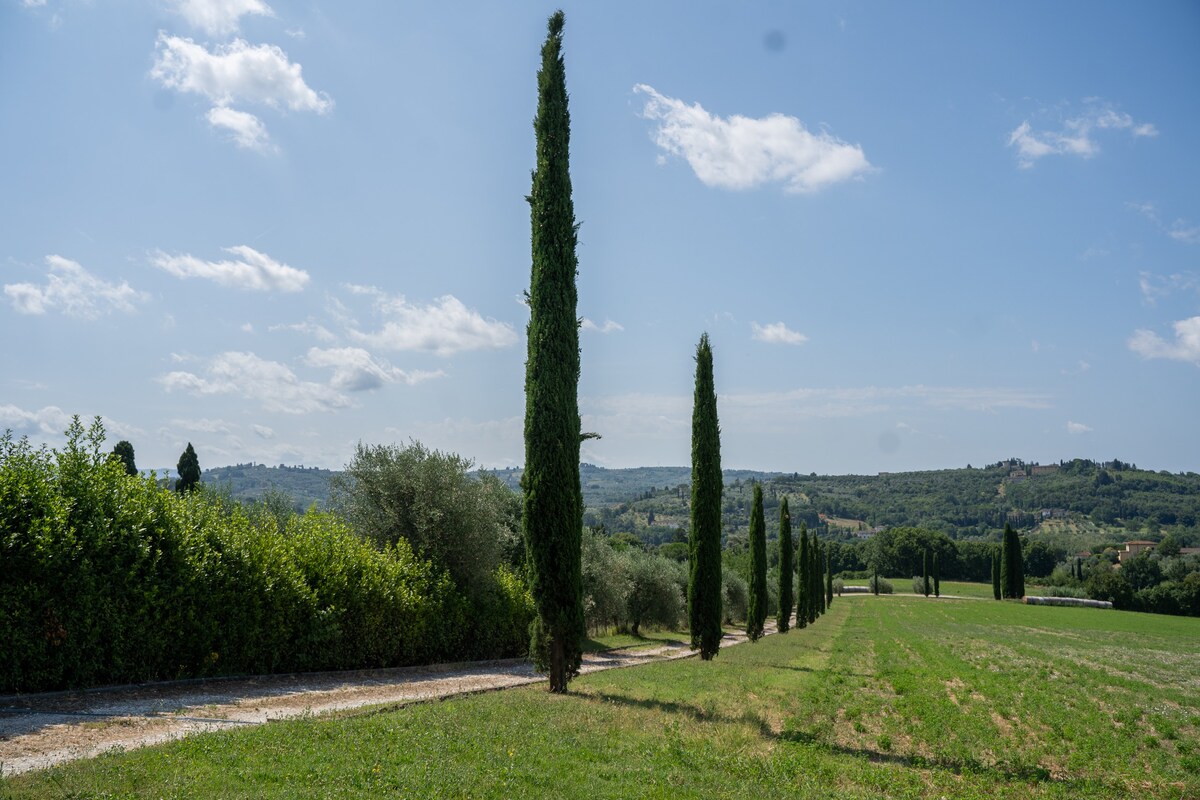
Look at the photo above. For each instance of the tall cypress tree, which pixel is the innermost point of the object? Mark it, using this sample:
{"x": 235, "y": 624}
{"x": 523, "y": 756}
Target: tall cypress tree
{"x": 704, "y": 539}
{"x": 996, "y": 590}
{"x": 1012, "y": 565}
{"x": 937, "y": 576}
{"x": 553, "y": 511}
{"x": 818, "y": 570}
{"x": 802, "y": 584}
{"x": 925, "y": 572}
{"x": 786, "y": 568}
{"x": 828, "y": 579}
{"x": 189, "y": 471}
{"x": 756, "y": 614}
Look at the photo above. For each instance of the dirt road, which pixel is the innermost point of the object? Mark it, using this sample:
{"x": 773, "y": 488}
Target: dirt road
{"x": 40, "y": 730}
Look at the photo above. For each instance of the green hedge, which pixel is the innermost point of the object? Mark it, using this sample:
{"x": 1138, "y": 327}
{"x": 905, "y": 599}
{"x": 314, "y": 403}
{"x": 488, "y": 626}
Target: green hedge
{"x": 107, "y": 578}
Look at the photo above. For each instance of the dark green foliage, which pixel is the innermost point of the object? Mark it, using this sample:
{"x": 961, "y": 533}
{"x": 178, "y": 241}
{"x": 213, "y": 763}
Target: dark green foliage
{"x": 1111, "y": 586}
{"x": 802, "y": 585}
{"x": 1012, "y": 568}
{"x": 553, "y": 513}
{"x": 787, "y": 568}
{"x": 925, "y": 573}
{"x": 756, "y": 614}
{"x": 108, "y": 578}
{"x": 997, "y": 588}
{"x": 704, "y": 542}
{"x": 189, "y": 470}
{"x": 937, "y": 577}
{"x": 818, "y": 578}
{"x": 828, "y": 581}
{"x": 123, "y": 450}
{"x": 875, "y": 583}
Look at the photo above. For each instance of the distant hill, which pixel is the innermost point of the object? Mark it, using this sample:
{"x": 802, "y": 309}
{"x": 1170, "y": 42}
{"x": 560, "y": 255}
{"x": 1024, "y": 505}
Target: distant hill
{"x": 1110, "y": 500}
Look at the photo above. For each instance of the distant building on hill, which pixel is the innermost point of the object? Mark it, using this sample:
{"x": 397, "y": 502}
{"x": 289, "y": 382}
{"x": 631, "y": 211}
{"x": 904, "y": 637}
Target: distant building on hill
{"x": 1046, "y": 469}
{"x": 1135, "y": 547}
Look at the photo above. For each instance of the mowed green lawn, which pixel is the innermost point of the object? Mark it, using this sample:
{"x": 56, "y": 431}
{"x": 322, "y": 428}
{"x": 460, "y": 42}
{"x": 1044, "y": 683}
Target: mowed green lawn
{"x": 884, "y": 697}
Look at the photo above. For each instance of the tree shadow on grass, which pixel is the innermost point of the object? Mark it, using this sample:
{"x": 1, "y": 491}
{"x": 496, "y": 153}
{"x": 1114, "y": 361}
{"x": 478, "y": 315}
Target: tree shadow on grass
{"x": 1033, "y": 773}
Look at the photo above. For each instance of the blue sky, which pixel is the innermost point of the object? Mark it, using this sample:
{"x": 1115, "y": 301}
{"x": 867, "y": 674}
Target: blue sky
{"x": 919, "y": 235}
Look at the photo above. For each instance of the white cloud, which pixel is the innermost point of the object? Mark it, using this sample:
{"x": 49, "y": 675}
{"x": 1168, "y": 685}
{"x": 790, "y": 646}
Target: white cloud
{"x": 1186, "y": 346}
{"x": 48, "y": 421}
{"x": 354, "y": 370}
{"x": 608, "y": 327}
{"x": 33, "y": 3}
{"x": 1185, "y": 232}
{"x": 272, "y": 384}
{"x": 263, "y": 432}
{"x": 74, "y": 291}
{"x": 740, "y": 152}
{"x": 1076, "y": 428}
{"x": 235, "y": 73}
{"x": 445, "y": 327}
{"x": 1076, "y": 137}
{"x": 251, "y": 271}
{"x": 776, "y": 333}
{"x": 1155, "y": 287}
{"x": 201, "y": 425}
{"x": 246, "y": 130}
{"x": 219, "y": 17}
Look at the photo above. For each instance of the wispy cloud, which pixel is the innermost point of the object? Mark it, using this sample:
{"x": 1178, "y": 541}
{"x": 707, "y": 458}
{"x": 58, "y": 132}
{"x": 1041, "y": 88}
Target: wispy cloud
{"x": 72, "y": 290}
{"x": 741, "y": 152}
{"x": 219, "y": 17}
{"x": 1076, "y": 136}
{"x": 445, "y": 326}
{"x": 355, "y": 370}
{"x": 275, "y": 386}
{"x": 1180, "y": 230}
{"x": 776, "y": 333}
{"x": 309, "y": 327}
{"x": 246, "y": 130}
{"x": 1156, "y": 287}
{"x": 1076, "y": 428}
{"x": 1185, "y": 347}
{"x": 608, "y": 327}
{"x": 250, "y": 271}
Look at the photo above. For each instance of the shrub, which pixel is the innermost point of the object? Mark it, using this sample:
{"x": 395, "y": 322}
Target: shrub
{"x": 885, "y": 586}
{"x": 735, "y": 594}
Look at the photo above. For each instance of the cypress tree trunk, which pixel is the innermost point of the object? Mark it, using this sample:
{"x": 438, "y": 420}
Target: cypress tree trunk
{"x": 937, "y": 577}
{"x": 756, "y": 614}
{"x": 802, "y": 587}
{"x": 553, "y": 501}
{"x": 925, "y": 572}
{"x": 704, "y": 539}
{"x": 786, "y": 568}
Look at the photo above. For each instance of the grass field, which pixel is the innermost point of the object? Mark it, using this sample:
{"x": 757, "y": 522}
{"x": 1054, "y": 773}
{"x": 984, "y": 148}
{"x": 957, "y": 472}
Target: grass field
{"x": 883, "y": 697}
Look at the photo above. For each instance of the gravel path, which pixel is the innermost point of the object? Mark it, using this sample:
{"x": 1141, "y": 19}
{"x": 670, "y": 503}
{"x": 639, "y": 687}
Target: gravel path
{"x": 41, "y": 730}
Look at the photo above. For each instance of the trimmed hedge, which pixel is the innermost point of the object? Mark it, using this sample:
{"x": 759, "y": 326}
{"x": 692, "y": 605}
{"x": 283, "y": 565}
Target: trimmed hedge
{"x": 107, "y": 578}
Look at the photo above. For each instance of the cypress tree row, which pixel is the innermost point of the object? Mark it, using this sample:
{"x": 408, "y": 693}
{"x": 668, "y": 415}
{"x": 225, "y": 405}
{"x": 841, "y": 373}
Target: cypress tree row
{"x": 802, "y": 588}
{"x": 996, "y": 592}
{"x": 553, "y": 500}
{"x": 937, "y": 577}
{"x": 786, "y": 594}
{"x": 756, "y": 614}
{"x": 704, "y": 539}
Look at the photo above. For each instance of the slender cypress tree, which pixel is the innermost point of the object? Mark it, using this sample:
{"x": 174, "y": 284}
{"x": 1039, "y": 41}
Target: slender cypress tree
{"x": 925, "y": 572}
{"x": 875, "y": 582}
{"x": 189, "y": 471}
{"x": 996, "y": 590}
{"x": 553, "y": 500}
{"x": 1012, "y": 566}
{"x": 802, "y": 587}
{"x": 937, "y": 576}
{"x": 756, "y": 613}
{"x": 786, "y": 568}
{"x": 704, "y": 541}
{"x": 828, "y": 579}
{"x": 1003, "y": 560}
{"x": 818, "y": 569}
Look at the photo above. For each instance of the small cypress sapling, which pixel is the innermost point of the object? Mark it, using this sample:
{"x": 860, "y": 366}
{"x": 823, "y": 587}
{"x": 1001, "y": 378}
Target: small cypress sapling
{"x": 756, "y": 614}
{"x": 996, "y": 591}
{"x": 786, "y": 568}
{"x": 937, "y": 577}
{"x": 875, "y": 582}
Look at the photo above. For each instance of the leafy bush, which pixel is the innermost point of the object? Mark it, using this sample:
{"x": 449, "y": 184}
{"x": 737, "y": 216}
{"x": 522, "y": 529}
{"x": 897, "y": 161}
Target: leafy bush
{"x": 108, "y": 578}
{"x": 1064, "y": 591}
{"x": 736, "y": 597}
{"x": 885, "y": 586}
